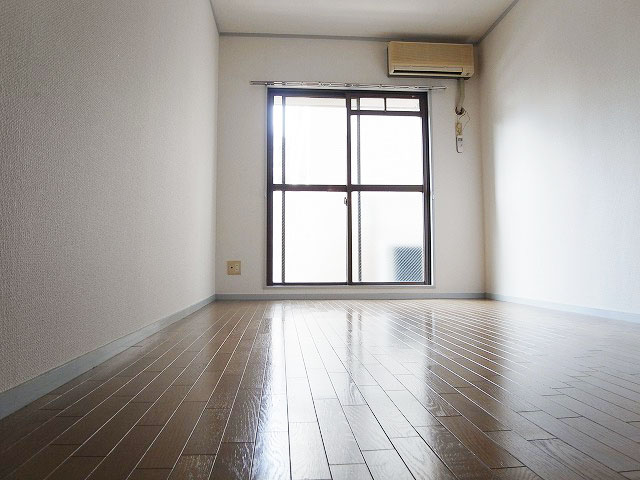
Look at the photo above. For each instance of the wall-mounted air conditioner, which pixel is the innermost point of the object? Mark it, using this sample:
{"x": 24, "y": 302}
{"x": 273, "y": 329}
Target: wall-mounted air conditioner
{"x": 417, "y": 59}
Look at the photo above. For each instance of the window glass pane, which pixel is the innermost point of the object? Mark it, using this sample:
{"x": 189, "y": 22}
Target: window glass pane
{"x": 354, "y": 104}
{"x": 277, "y": 139}
{"x": 277, "y": 237}
{"x": 315, "y": 237}
{"x": 315, "y": 140}
{"x": 388, "y": 237}
{"x": 390, "y": 150}
{"x": 403, "y": 104}
{"x": 375, "y": 103}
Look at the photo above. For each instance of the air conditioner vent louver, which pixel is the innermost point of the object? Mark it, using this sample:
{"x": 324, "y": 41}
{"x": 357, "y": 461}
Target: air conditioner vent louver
{"x": 430, "y": 59}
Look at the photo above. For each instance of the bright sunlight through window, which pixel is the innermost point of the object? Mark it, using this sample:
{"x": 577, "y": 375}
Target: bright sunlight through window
{"x": 348, "y": 188}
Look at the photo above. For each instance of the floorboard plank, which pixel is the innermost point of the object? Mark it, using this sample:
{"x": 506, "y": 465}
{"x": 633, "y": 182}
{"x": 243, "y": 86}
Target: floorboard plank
{"x": 271, "y": 456}
{"x": 121, "y": 461}
{"x": 339, "y": 442}
{"x": 366, "y": 429}
{"x": 475, "y": 440}
{"x": 590, "y": 446}
{"x": 166, "y": 449}
{"x": 193, "y": 467}
{"x": 459, "y": 459}
{"x": 386, "y": 464}
{"x": 420, "y": 459}
{"x": 233, "y": 461}
{"x": 578, "y": 461}
{"x": 308, "y": 458}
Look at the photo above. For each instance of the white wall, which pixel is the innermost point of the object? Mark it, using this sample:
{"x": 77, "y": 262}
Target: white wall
{"x": 107, "y": 174}
{"x": 561, "y": 116}
{"x": 459, "y": 262}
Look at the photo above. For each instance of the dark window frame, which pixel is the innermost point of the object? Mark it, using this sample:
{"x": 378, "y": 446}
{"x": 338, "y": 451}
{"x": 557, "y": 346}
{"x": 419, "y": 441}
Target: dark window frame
{"x": 425, "y": 188}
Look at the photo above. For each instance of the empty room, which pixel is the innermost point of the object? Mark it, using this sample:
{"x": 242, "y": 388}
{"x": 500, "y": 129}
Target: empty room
{"x": 297, "y": 239}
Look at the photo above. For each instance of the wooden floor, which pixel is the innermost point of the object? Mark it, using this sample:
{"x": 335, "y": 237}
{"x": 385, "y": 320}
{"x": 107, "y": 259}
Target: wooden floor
{"x": 428, "y": 389}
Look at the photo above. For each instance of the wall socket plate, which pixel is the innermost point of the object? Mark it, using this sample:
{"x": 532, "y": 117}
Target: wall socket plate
{"x": 233, "y": 267}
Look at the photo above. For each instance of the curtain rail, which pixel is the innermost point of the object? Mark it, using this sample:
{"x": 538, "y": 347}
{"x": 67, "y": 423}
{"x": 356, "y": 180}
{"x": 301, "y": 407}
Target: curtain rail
{"x": 375, "y": 86}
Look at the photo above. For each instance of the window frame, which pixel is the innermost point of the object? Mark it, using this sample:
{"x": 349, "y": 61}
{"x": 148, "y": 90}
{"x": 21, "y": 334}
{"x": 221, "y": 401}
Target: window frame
{"x": 349, "y": 187}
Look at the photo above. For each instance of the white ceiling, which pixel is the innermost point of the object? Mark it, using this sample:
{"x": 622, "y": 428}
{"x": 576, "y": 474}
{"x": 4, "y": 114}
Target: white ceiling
{"x": 453, "y": 20}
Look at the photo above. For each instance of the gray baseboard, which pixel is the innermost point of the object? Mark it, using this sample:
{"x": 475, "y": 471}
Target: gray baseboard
{"x": 344, "y": 296}
{"x": 594, "y": 312}
{"x": 23, "y": 394}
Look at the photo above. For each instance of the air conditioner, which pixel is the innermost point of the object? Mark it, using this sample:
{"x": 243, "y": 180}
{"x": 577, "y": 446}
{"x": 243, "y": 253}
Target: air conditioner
{"x": 416, "y": 59}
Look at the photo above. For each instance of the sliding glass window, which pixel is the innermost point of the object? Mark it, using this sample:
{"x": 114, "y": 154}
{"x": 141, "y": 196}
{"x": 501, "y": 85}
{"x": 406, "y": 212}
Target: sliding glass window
{"x": 348, "y": 199}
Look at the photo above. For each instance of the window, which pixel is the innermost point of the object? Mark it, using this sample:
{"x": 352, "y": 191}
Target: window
{"x": 348, "y": 200}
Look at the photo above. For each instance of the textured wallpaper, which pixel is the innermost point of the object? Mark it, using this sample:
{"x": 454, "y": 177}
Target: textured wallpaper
{"x": 560, "y": 114}
{"x": 107, "y": 174}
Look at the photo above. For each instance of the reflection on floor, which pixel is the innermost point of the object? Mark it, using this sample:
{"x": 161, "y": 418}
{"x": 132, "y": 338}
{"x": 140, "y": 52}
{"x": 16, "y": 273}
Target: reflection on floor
{"x": 433, "y": 389}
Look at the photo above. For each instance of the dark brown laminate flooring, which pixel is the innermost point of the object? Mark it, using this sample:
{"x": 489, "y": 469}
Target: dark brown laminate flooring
{"x": 362, "y": 389}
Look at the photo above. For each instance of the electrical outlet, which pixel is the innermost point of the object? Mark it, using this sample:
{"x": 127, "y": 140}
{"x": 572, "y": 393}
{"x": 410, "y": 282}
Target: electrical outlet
{"x": 233, "y": 267}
